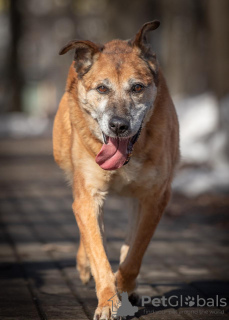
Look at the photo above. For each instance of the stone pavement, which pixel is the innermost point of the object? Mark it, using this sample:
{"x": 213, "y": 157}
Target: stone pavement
{"x": 187, "y": 259}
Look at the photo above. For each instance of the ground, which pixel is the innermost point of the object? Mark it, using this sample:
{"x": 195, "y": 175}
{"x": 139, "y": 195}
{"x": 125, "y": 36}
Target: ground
{"x": 187, "y": 258}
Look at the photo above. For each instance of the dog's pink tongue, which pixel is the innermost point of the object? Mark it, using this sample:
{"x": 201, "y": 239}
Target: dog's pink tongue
{"x": 113, "y": 155}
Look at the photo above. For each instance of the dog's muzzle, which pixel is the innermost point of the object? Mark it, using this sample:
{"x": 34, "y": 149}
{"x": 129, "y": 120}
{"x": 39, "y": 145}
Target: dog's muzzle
{"x": 117, "y": 151}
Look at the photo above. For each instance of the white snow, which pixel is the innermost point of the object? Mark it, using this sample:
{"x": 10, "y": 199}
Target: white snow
{"x": 204, "y": 139}
{"x": 19, "y": 125}
{"x": 202, "y": 142}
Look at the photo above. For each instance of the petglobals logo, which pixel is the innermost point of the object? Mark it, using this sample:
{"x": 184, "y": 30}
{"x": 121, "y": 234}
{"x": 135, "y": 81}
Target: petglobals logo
{"x": 184, "y": 301}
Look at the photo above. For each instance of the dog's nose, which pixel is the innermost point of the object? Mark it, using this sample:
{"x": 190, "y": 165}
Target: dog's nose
{"x": 118, "y": 125}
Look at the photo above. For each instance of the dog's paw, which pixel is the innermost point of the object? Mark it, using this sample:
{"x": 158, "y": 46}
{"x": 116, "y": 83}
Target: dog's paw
{"x": 108, "y": 312}
{"x": 105, "y": 313}
{"x": 125, "y": 283}
{"x": 84, "y": 273}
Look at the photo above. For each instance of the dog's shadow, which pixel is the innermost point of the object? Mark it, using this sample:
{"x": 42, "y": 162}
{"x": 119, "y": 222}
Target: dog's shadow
{"x": 185, "y": 296}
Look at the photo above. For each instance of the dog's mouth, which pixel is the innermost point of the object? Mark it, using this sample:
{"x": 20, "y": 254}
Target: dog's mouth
{"x": 116, "y": 152}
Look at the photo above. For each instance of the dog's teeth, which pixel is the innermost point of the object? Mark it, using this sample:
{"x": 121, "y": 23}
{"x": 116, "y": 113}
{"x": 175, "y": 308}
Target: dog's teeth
{"x": 104, "y": 137}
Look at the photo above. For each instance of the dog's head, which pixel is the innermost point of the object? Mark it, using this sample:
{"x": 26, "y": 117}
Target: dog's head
{"x": 117, "y": 86}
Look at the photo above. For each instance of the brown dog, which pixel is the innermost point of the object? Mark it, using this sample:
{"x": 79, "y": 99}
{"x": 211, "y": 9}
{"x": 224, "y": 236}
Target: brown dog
{"x": 116, "y": 104}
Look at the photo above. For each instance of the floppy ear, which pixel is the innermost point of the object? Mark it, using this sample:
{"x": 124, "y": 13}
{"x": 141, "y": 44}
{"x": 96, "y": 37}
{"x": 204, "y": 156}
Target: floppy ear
{"x": 140, "y": 41}
{"x": 85, "y": 52}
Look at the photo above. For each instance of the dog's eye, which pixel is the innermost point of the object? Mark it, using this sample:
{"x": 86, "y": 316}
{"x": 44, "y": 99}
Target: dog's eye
{"x": 102, "y": 89}
{"x": 137, "y": 88}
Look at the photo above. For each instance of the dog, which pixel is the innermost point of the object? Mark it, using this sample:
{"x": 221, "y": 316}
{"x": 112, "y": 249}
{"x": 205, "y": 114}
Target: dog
{"x": 116, "y": 130}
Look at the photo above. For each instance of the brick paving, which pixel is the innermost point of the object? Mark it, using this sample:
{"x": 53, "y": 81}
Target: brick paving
{"x": 189, "y": 255}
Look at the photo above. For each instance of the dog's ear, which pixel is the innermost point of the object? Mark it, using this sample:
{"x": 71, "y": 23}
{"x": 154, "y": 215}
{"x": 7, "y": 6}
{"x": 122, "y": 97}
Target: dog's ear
{"x": 141, "y": 42}
{"x": 85, "y": 52}
{"x": 140, "y": 39}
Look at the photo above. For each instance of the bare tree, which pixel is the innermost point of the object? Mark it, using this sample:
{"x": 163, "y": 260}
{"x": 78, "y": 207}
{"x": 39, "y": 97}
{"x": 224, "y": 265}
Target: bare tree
{"x": 15, "y": 77}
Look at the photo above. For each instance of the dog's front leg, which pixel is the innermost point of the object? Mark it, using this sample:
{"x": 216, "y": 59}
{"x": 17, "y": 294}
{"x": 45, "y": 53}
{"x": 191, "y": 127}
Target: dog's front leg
{"x": 83, "y": 264}
{"x": 151, "y": 209}
{"x": 87, "y": 208}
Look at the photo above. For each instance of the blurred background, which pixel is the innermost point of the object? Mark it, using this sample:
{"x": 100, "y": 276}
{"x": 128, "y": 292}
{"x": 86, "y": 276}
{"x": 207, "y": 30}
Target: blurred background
{"x": 192, "y": 47}
{"x": 38, "y": 233}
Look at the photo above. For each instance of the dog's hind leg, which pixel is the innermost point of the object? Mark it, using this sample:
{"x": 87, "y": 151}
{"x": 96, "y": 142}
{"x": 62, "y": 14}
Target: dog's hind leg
{"x": 133, "y": 218}
{"x": 151, "y": 209}
{"x": 83, "y": 264}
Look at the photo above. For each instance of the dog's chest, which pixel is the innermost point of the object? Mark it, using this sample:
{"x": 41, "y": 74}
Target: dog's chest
{"x": 132, "y": 176}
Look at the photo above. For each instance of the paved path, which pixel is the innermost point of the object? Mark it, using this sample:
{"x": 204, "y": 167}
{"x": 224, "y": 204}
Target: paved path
{"x": 38, "y": 280}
